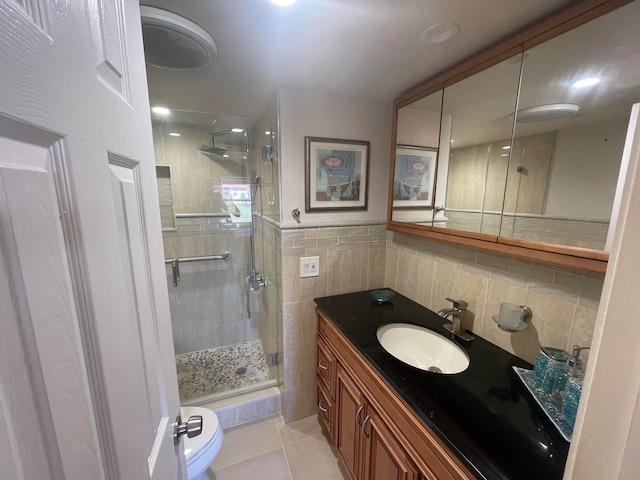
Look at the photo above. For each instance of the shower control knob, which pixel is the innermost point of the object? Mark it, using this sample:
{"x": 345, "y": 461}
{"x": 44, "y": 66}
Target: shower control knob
{"x": 192, "y": 428}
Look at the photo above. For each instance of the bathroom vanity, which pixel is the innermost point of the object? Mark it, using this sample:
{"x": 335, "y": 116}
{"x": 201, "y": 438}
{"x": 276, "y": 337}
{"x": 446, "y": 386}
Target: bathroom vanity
{"x": 390, "y": 420}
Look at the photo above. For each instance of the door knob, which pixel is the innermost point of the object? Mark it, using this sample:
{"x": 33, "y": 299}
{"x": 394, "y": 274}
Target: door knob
{"x": 192, "y": 428}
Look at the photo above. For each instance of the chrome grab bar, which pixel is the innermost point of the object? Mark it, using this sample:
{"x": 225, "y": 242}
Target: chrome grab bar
{"x": 175, "y": 263}
{"x": 224, "y": 256}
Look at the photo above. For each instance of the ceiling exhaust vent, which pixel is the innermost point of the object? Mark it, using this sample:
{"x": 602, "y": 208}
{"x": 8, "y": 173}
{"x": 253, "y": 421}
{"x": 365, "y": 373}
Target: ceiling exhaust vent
{"x": 174, "y": 43}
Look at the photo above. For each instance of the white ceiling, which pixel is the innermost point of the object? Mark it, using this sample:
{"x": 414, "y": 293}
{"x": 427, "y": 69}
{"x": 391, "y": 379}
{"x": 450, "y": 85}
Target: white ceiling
{"x": 352, "y": 48}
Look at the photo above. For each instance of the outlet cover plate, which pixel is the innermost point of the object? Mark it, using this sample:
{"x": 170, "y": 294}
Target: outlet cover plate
{"x": 309, "y": 267}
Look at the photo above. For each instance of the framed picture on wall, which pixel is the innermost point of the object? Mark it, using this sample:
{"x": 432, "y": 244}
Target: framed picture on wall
{"x": 414, "y": 177}
{"x": 336, "y": 174}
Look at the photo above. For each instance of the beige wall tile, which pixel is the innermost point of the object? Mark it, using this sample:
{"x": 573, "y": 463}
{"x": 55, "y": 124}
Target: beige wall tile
{"x": 299, "y": 403}
{"x": 347, "y": 271}
{"x": 584, "y": 321}
{"x": 377, "y": 261}
{"x": 407, "y": 273}
{"x": 391, "y": 268}
{"x": 296, "y": 289}
{"x": 299, "y": 325}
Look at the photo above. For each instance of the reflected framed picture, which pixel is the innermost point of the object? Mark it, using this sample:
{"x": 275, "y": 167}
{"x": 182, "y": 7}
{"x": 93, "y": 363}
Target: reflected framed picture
{"x": 336, "y": 174}
{"x": 413, "y": 179}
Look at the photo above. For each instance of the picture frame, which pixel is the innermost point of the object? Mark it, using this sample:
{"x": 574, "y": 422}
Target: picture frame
{"x": 414, "y": 176}
{"x": 336, "y": 174}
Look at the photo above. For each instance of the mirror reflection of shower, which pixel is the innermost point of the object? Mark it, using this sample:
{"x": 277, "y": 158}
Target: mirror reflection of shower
{"x": 224, "y": 320}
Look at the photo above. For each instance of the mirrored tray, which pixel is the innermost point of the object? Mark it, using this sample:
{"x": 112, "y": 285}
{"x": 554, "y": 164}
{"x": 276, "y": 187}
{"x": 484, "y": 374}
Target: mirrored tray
{"x": 544, "y": 400}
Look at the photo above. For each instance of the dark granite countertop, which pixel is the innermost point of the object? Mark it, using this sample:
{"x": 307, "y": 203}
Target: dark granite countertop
{"x": 485, "y": 414}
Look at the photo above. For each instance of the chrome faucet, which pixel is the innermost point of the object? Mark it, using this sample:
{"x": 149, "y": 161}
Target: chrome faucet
{"x": 455, "y": 327}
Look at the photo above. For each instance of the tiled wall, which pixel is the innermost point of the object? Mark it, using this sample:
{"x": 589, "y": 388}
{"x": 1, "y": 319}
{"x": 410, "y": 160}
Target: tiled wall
{"x": 564, "y": 301}
{"x": 585, "y": 233}
{"x": 352, "y": 258}
{"x": 165, "y": 195}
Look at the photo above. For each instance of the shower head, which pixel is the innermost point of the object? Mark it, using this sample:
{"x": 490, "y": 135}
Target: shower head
{"x": 211, "y": 149}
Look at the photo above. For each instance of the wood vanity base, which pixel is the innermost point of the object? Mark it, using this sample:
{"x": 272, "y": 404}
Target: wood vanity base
{"x": 377, "y": 434}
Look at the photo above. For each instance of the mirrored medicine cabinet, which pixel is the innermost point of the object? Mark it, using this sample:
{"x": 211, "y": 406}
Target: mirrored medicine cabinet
{"x": 518, "y": 150}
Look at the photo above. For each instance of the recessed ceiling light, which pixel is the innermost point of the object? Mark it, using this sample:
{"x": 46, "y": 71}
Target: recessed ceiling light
{"x": 267, "y": 132}
{"x": 237, "y": 130}
{"x": 585, "y": 82}
{"x": 161, "y": 110}
{"x": 439, "y": 32}
{"x": 226, "y": 155}
{"x": 506, "y": 147}
{"x": 504, "y": 155}
{"x": 174, "y": 134}
{"x": 283, "y": 3}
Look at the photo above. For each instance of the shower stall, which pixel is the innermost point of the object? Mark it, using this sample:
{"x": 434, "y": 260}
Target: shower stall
{"x": 216, "y": 198}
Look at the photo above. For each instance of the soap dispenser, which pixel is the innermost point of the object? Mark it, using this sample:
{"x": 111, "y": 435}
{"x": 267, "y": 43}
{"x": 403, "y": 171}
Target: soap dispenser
{"x": 574, "y": 369}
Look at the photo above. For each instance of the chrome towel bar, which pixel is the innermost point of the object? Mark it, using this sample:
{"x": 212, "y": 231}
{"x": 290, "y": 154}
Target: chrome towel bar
{"x": 175, "y": 263}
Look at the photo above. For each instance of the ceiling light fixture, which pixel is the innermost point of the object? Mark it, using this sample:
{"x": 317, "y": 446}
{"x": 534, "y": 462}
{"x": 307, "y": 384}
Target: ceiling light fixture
{"x": 283, "y": 3}
{"x": 546, "y": 113}
{"x": 267, "y": 132}
{"x": 507, "y": 147}
{"x": 439, "y": 32}
{"x": 174, "y": 134}
{"x": 226, "y": 155}
{"x": 237, "y": 130}
{"x": 161, "y": 110}
{"x": 586, "y": 82}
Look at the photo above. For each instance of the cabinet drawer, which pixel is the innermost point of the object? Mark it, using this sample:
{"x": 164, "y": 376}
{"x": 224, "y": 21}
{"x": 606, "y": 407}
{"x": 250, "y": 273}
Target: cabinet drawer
{"x": 326, "y": 410}
{"x": 326, "y": 367}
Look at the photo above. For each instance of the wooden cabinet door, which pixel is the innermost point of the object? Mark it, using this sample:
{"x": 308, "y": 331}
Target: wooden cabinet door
{"x": 383, "y": 458}
{"x": 349, "y": 406}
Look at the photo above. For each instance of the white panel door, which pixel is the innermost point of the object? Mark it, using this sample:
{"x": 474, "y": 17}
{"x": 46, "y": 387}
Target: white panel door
{"x": 88, "y": 387}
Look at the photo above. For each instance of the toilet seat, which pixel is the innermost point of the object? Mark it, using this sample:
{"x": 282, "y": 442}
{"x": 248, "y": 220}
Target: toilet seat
{"x": 201, "y": 450}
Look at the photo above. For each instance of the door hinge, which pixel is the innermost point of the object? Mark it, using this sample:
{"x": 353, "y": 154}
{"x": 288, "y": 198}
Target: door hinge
{"x": 273, "y": 359}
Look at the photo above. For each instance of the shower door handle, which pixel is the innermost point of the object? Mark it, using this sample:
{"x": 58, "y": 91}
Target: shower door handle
{"x": 192, "y": 428}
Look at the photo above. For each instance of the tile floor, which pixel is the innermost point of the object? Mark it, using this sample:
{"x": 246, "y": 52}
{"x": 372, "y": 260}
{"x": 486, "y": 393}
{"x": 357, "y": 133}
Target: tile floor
{"x": 270, "y": 450}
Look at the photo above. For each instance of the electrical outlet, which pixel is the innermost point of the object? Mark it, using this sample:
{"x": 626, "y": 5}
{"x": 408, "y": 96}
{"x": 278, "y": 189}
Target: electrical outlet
{"x": 309, "y": 266}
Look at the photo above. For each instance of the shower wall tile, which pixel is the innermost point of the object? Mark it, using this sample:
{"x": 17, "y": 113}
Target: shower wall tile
{"x": 564, "y": 301}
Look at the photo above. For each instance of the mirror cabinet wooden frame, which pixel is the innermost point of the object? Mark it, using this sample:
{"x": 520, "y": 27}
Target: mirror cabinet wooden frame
{"x": 564, "y": 21}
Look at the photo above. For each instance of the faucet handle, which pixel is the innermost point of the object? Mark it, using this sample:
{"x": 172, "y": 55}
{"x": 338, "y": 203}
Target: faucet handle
{"x": 459, "y": 304}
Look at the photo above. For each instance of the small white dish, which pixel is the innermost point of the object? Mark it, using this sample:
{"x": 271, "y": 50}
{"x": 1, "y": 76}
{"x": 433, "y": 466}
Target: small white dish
{"x": 521, "y": 326}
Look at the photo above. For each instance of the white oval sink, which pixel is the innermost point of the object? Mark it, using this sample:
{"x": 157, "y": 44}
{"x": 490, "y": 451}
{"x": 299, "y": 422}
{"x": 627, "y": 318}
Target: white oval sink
{"x": 422, "y": 348}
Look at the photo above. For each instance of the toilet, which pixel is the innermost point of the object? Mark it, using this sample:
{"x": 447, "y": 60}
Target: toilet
{"x": 200, "y": 451}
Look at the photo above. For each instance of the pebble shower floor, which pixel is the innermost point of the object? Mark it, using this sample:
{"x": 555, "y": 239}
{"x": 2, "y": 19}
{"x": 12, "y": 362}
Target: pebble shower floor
{"x": 221, "y": 369}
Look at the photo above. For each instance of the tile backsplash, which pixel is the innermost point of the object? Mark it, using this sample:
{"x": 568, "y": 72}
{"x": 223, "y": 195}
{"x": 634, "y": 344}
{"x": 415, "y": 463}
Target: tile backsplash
{"x": 564, "y": 301}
